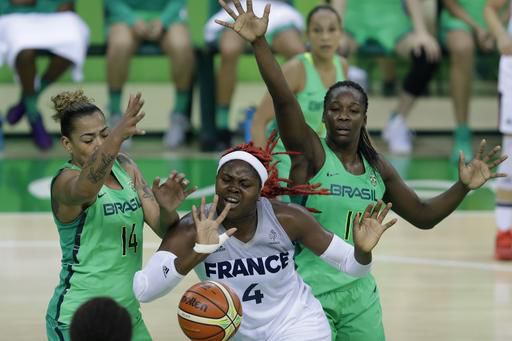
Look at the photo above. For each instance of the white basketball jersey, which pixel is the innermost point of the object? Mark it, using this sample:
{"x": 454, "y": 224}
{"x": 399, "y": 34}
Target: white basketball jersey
{"x": 262, "y": 273}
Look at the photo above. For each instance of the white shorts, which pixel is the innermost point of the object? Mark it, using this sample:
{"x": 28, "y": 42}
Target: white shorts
{"x": 305, "y": 322}
{"x": 64, "y": 34}
{"x": 282, "y": 16}
{"x": 505, "y": 89}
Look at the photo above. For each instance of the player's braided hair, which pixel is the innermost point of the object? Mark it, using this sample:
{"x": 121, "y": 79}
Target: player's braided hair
{"x": 365, "y": 146}
{"x": 273, "y": 186}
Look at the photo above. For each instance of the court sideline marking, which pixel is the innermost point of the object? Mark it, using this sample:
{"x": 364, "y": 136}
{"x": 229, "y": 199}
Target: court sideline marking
{"x": 447, "y": 263}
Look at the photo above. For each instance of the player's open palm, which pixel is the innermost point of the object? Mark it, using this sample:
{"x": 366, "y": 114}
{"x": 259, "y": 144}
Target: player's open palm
{"x": 246, "y": 24}
{"x": 171, "y": 193}
{"x": 127, "y": 126}
{"x": 367, "y": 232}
{"x": 479, "y": 170}
{"x": 207, "y": 226}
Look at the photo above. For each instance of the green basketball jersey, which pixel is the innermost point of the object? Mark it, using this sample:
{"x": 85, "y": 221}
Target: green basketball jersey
{"x": 311, "y": 101}
{"x": 101, "y": 250}
{"x": 349, "y": 194}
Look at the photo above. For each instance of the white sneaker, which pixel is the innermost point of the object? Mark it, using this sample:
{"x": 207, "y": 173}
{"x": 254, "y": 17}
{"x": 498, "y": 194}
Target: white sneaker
{"x": 397, "y": 135}
{"x": 175, "y": 136}
{"x": 114, "y": 119}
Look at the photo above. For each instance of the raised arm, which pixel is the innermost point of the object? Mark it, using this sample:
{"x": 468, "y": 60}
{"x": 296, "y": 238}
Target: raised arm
{"x": 425, "y": 214}
{"x": 294, "y": 74}
{"x": 295, "y": 133}
{"x": 80, "y": 188}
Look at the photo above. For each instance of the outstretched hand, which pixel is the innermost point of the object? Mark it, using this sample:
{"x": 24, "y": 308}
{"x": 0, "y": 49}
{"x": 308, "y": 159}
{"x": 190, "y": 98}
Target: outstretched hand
{"x": 246, "y": 24}
{"x": 171, "y": 193}
{"x": 207, "y": 227}
{"x": 127, "y": 126}
{"x": 368, "y": 231}
{"x": 478, "y": 171}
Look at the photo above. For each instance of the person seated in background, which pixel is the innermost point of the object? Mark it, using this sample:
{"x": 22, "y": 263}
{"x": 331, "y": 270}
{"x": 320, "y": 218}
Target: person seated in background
{"x": 400, "y": 29}
{"x": 131, "y": 22}
{"x": 284, "y": 35}
{"x": 463, "y": 29}
{"x": 101, "y": 319}
{"x": 27, "y": 26}
{"x": 309, "y": 75}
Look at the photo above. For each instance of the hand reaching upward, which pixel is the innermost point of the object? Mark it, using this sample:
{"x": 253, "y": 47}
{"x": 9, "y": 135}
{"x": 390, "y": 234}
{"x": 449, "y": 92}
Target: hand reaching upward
{"x": 173, "y": 191}
{"x": 246, "y": 24}
{"x": 479, "y": 170}
{"x": 368, "y": 231}
{"x": 207, "y": 225}
{"x": 127, "y": 126}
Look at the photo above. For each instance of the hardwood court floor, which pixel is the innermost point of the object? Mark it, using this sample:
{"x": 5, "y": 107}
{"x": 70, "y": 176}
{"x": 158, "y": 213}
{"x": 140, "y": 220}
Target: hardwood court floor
{"x": 435, "y": 285}
{"x": 438, "y": 285}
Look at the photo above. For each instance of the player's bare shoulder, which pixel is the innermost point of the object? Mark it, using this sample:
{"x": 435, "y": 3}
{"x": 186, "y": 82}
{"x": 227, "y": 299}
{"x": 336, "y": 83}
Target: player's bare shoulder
{"x": 290, "y": 216}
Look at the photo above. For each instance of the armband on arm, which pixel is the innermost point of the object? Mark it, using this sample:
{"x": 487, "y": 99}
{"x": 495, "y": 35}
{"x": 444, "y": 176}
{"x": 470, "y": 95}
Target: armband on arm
{"x": 340, "y": 255}
{"x": 157, "y": 278}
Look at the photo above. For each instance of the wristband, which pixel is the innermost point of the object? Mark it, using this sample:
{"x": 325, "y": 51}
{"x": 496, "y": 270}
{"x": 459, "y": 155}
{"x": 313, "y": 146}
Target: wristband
{"x": 210, "y": 248}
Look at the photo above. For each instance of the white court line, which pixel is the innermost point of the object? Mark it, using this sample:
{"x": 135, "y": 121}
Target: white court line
{"x": 444, "y": 263}
{"x": 493, "y": 267}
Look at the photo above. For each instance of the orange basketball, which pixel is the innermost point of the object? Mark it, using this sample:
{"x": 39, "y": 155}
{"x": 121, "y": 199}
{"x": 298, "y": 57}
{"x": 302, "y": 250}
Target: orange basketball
{"x": 209, "y": 311}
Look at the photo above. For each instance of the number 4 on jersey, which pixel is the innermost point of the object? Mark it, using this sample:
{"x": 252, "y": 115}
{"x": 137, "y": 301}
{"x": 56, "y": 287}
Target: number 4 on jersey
{"x": 248, "y": 296}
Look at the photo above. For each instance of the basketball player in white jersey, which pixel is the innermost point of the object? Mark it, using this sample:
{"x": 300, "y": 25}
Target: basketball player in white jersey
{"x": 503, "y": 211}
{"x": 257, "y": 261}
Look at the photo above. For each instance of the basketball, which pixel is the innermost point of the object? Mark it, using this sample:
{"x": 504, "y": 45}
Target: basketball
{"x": 209, "y": 311}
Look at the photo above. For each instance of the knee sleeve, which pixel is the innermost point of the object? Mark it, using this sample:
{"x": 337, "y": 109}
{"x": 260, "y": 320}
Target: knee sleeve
{"x": 505, "y": 184}
{"x": 420, "y": 74}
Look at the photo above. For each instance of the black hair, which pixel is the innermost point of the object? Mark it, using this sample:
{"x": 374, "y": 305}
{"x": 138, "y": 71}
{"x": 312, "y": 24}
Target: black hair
{"x": 364, "y": 146}
{"x": 69, "y": 106}
{"x": 319, "y": 8}
{"x": 101, "y": 318}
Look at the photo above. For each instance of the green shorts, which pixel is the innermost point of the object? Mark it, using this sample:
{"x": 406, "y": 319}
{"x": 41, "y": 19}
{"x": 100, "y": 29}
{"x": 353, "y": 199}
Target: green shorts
{"x": 57, "y": 331}
{"x": 475, "y": 9}
{"x": 146, "y": 16}
{"x": 354, "y": 313}
{"x": 383, "y": 22}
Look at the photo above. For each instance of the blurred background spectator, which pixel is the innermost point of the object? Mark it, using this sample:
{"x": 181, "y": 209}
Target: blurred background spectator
{"x": 27, "y": 26}
{"x": 284, "y": 35}
{"x": 163, "y": 22}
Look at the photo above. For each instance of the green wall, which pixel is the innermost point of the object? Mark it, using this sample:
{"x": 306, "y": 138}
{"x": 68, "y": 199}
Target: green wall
{"x": 149, "y": 69}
